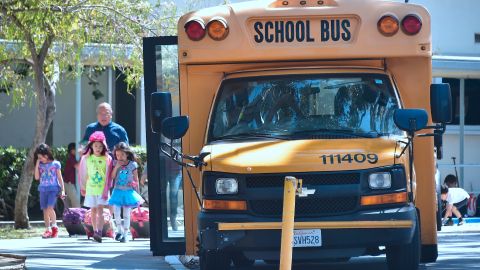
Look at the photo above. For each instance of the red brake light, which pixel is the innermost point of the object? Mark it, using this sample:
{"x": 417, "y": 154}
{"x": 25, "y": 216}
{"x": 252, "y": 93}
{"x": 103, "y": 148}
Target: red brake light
{"x": 411, "y": 24}
{"x": 195, "y": 29}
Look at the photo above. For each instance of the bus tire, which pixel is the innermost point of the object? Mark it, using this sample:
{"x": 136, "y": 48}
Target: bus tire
{"x": 214, "y": 260}
{"x": 429, "y": 253}
{"x": 240, "y": 260}
{"x": 407, "y": 256}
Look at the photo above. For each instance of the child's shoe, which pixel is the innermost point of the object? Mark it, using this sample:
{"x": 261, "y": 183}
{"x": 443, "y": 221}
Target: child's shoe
{"x": 97, "y": 237}
{"x": 460, "y": 222}
{"x": 118, "y": 236}
{"x": 125, "y": 237}
{"x": 448, "y": 222}
{"x": 54, "y": 232}
{"x": 47, "y": 234}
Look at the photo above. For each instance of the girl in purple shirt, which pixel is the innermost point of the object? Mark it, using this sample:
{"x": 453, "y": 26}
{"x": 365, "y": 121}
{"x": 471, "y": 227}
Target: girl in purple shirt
{"x": 47, "y": 171}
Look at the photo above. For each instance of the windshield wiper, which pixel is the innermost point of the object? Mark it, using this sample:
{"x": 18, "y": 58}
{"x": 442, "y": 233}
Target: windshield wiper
{"x": 251, "y": 135}
{"x": 348, "y": 132}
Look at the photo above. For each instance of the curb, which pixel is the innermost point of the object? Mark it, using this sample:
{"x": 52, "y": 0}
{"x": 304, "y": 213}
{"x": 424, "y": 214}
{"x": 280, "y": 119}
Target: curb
{"x": 12, "y": 262}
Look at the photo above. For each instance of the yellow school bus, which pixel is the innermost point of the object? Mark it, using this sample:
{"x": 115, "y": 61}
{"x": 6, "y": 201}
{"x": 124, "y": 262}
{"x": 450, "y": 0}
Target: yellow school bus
{"x": 333, "y": 92}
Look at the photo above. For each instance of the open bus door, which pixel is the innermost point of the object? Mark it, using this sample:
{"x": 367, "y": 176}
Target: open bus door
{"x": 167, "y": 233}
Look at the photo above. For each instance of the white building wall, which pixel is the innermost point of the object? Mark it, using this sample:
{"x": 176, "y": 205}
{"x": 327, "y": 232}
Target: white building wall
{"x": 18, "y": 124}
{"x": 454, "y": 24}
{"x": 471, "y": 168}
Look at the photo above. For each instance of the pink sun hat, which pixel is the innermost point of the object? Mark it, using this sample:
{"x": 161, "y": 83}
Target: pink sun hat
{"x": 98, "y": 136}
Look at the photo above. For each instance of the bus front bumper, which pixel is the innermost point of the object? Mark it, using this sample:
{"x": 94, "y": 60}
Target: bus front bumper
{"x": 342, "y": 236}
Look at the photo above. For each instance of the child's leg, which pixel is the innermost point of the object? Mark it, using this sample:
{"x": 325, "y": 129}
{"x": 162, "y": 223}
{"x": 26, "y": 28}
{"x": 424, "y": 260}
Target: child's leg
{"x": 126, "y": 219}
{"x": 118, "y": 218}
{"x": 100, "y": 219}
{"x": 448, "y": 212}
{"x": 46, "y": 218}
{"x": 94, "y": 218}
{"x": 52, "y": 216}
{"x": 456, "y": 212}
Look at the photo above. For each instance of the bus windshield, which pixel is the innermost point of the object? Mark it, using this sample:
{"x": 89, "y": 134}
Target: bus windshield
{"x": 305, "y": 106}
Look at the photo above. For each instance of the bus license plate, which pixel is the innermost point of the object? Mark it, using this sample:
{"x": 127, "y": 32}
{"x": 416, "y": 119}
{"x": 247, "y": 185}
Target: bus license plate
{"x": 307, "y": 238}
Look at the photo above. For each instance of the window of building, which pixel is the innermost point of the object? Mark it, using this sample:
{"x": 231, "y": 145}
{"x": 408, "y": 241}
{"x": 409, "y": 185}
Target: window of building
{"x": 472, "y": 100}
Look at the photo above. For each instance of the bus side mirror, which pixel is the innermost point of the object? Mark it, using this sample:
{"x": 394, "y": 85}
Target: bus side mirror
{"x": 175, "y": 127}
{"x": 410, "y": 120}
{"x": 160, "y": 108}
{"x": 441, "y": 102}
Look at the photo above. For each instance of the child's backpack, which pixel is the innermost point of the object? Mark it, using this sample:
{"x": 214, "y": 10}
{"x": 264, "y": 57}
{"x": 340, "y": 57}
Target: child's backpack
{"x": 140, "y": 223}
{"x": 107, "y": 223}
{"x": 72, "y": 220}
{"x": 472, "y": 205}
{"x": 478, "y": 206}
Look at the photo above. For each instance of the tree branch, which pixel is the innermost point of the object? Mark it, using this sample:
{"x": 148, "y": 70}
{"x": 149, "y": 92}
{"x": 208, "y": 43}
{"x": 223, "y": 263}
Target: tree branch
{"x": 28, "y": 36}
{"x": 45, "y": 46}
{"x": 117, "y": 12}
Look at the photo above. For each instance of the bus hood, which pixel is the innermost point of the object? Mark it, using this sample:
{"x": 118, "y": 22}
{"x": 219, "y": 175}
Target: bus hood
{"x": 301, "y": 155}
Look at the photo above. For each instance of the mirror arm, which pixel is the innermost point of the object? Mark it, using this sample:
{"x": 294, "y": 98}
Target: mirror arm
{"x": 178, "y": 156}
{"x": 441, "y": 127}
{"x": 407, "y": 144}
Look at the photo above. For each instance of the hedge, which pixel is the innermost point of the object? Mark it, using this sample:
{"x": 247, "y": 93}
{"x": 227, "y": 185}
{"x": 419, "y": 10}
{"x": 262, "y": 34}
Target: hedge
{"x": 11, "y": 163}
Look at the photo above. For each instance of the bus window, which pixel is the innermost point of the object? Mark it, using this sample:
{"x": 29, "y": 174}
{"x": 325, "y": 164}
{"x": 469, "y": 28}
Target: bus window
{"x": 360, "y": 105}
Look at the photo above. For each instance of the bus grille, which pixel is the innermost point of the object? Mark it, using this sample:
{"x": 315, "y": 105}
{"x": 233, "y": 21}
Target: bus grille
{"x": 311, "y": 179}
{"x": 306, "y": 207}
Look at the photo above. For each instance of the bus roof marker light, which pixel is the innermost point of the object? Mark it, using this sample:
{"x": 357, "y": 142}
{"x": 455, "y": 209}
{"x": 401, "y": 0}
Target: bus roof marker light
{"x": 217, "y": 28}
{"x": 388, "y": 25}
{"x": 411, "y": 24}
{"x": 195, "y": 29}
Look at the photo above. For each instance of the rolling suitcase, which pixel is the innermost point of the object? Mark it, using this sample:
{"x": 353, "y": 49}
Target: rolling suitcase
{"x": 140, "y": 223}
{"x": 107, "y": 225}
{"x": 72, "y": 220}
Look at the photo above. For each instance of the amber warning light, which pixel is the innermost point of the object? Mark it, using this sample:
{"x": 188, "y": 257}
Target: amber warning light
{"x": 217, "y": 29}
{"x": 388, "y": 25}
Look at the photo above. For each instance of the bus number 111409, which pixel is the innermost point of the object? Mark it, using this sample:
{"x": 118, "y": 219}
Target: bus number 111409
{"x": 349, "y": 158}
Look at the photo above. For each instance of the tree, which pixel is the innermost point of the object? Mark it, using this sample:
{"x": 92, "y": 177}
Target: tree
{"x": 43, "y": 39}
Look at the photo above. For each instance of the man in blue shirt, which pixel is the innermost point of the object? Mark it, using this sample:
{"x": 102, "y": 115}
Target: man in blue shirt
{"x": 114, "y": 133}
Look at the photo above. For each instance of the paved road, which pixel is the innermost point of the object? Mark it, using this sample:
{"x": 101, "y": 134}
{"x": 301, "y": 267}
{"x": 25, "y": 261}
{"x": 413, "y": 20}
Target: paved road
{"x": 459, "y": 248}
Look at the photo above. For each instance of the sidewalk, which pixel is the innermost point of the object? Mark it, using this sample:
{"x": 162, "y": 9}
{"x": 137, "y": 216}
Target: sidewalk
{"x": 79, "y": 253}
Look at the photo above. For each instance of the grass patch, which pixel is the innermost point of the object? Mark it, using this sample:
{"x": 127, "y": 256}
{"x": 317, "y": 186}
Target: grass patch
{"x": 9, "y": 232}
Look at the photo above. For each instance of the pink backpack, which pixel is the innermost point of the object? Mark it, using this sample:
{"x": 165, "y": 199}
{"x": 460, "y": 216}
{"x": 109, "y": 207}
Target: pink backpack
{"x": 472, "y": 205}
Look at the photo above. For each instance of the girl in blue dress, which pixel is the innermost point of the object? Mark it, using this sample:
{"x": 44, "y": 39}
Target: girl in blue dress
{"x": 124, "y": 195}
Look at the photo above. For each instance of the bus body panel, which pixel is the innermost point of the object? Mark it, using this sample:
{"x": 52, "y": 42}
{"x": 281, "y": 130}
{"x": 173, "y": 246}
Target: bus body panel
{"x": 204, "y": 64}
{"x": 365, "y": 41}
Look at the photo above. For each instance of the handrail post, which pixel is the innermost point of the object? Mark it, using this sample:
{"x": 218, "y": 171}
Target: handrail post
{"x": 288, "y": 221}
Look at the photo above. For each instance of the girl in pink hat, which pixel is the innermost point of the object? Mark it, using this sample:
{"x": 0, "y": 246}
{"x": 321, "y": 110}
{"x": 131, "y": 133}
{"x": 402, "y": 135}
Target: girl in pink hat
{"x": 95, "y": 182}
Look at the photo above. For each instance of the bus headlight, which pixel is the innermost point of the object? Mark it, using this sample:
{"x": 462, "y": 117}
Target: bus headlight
{"x": 381, "y": 180}
{"x": 226, "y": 186}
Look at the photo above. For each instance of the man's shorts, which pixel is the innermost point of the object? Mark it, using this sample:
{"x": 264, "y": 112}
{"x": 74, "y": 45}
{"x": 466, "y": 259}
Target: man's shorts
{"x": 462, "y": 206}
{"x": 48, "y": 199}
{"x": 94, "y": 201}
